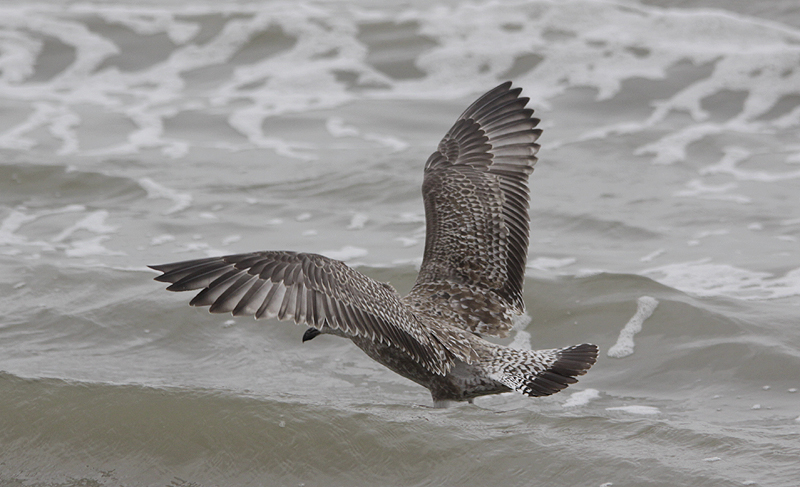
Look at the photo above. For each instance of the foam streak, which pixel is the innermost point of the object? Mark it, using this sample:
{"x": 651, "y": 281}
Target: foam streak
{"x": 624, "y": 346}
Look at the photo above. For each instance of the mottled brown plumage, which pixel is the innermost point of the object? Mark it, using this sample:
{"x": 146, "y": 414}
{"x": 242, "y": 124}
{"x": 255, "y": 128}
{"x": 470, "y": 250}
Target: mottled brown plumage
{"x": 470, "y": 282}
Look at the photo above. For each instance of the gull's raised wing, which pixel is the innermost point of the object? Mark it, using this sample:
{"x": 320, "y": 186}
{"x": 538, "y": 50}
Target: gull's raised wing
{"x": 476, "y": 210}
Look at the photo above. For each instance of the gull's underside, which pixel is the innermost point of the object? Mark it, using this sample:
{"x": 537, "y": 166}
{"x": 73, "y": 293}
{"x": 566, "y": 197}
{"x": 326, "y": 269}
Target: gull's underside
{"x": 475, "y": 191}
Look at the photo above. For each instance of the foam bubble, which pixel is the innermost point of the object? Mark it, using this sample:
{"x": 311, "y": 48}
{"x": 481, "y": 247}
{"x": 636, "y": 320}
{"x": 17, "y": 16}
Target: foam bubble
{"x": 94, "y": 222}
{"x": 645, "y": 306}
{"x": 231, "y": 239}
{"x": 162, "y": 239}
{"x": 521, "y": 341}
{"x": 18, "y": 218}
{"x": 11, "y": 224}
{"x": 520, "y": 321}
{"x": 90, "y": 246}
{"x": 336, "y": 127}
{"x": 733, "y": 157}
{"x": 550, "y": 263}
{"x": 581, "y": 398}
{"x": 394, "y": 144}
{"x": 155, "y": 190}
{"x": 407, "y": 241}
{"x": 652, "y": 255}
{"x": 411, "y": 218}
{"x": 204, "y": 247}
{"x": 358, "y": 221}
{"x": 348, "y": 252}
{"x": 697, "y": 189}
{"x": 643, "y": 410}
{"x": 672, "y": 148}
{"x": 584, "y": 273}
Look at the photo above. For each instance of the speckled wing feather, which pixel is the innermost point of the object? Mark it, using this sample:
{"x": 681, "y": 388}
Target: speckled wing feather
{"x": 314, "y": 290}
{"x": 476, "y": 208}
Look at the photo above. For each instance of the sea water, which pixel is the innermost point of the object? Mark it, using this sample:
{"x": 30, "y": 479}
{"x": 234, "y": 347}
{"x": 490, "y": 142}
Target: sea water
{"x": 665, "y": 217}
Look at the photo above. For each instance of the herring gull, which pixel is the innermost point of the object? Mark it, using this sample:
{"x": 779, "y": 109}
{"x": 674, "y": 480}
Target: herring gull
{"x": 476, "y": 197}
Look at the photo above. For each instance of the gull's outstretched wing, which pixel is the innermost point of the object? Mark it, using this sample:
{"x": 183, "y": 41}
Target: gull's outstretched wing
{"x": 476, "y": 210}
{"x": 314, "y": 290}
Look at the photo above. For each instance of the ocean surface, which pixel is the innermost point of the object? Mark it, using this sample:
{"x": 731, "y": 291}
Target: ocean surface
{"x": 665, "y": 219}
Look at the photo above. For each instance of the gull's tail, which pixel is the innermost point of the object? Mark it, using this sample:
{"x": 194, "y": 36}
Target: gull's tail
{"x": 540, "y": 372}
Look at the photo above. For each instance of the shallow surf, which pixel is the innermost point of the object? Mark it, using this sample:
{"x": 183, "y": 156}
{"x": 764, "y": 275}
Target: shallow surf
{"x": 138, "y": 133}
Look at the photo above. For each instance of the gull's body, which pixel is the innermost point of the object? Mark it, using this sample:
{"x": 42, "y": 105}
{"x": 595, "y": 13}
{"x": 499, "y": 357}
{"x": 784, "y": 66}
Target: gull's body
{"x": 470, "y": 282}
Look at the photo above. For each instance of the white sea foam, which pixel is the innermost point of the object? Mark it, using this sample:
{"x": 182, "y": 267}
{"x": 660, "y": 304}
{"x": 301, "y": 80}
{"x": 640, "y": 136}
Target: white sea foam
{"x": 11, "y": 224}
{"x": 645, "y": 306}
{"x": 652, "y": 255}
{"x": 348, "y": 252}
{"x": 521, "y": 341}
{"x": 407, "y": 241}
{"x": 392, "y": 143}
{"x": 600, "y": 45}
{"x": 90, "y": 246}
{"x": 704, "y": 278}
{"x": 584, "y": 273}
{"x": 155, "y": 190}
{"x": 520, "y": 321}
{"x": 672, "y": 148}
{"x": 202, "y": 246}
{"x": 550, "y": 263}
{"x": 18, "y": 218}
{"x": 411, "y": 218}
{"x": 231, "y": 239}
{"x": 94, "y": 222}
{"x": 698, "y": 189}
{"x": 732, "y": 159}
{"x": 162, "y": 239}
{"x": 643, "y": 410}
{"x": 522, "y": 338}
{"x": 358, "y": 221}
{"x": 712, "y": 233}
{"x": 581, "y": 398}
{"x": 336, "y": 126}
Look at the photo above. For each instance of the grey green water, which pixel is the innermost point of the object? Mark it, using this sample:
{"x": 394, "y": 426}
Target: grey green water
{"x": 136, "y": 133}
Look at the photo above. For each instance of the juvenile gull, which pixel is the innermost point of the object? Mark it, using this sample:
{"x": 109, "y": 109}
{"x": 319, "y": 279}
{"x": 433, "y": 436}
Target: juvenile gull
{"x": 470, "y": 283}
